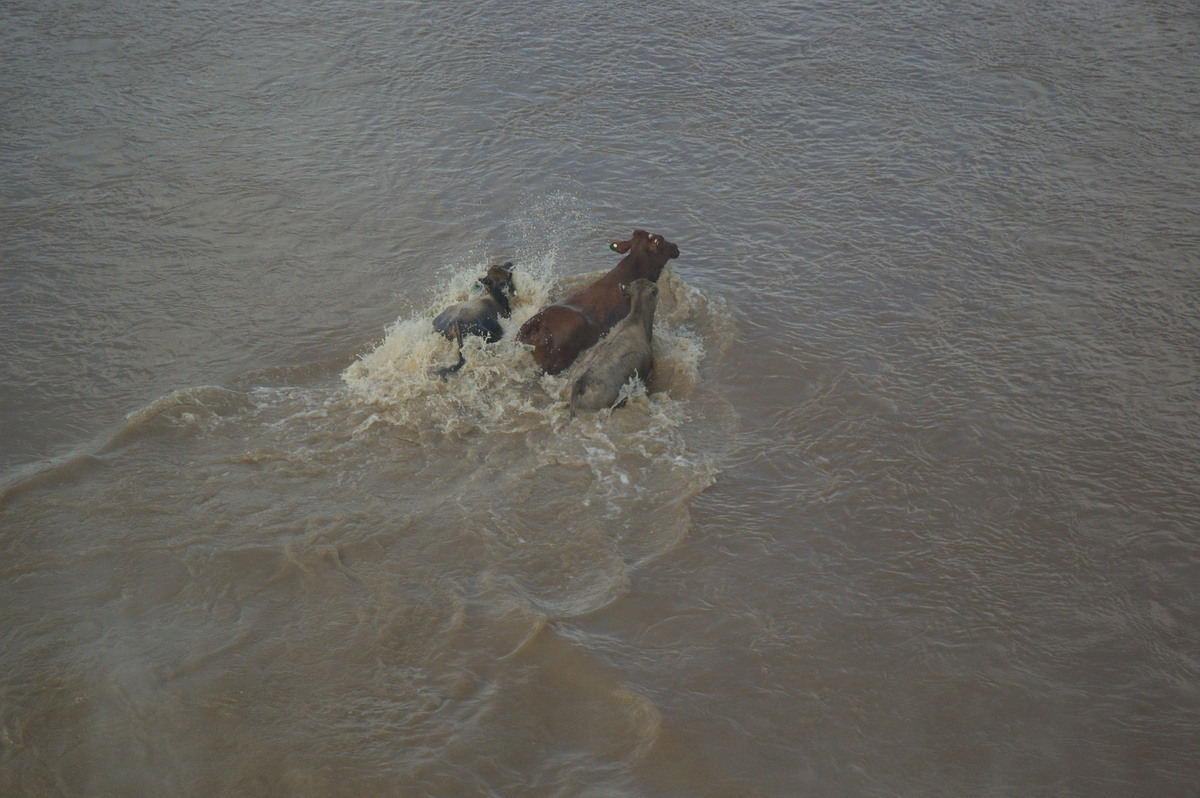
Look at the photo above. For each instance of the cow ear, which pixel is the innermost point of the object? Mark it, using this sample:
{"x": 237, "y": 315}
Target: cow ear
{"x": 620, "y": 247}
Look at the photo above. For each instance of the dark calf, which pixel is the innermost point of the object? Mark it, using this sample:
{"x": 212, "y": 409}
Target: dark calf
{"x": 480, "y": 316}
{"x": 559, "y": 332}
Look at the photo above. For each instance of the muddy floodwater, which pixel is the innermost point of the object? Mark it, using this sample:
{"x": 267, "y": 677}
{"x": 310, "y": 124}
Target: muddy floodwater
{"x": 908, "y": 508}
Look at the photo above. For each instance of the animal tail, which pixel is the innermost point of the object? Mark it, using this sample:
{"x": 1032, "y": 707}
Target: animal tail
{"x": 576, "y": 391}
{"x": 446, "y": 372}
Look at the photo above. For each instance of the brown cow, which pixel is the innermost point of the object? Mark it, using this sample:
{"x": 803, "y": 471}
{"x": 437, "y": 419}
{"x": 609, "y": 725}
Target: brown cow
{"x": 559, "y": 332}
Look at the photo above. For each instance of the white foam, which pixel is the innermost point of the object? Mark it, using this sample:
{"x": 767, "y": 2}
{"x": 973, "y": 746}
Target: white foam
{"x": 499, "y": 427}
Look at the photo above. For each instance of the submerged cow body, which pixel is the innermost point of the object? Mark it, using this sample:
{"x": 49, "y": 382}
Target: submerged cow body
{"x": 480, "y": 316}
{"x": 559, "y": 332}
{"x": 626, "y": 351}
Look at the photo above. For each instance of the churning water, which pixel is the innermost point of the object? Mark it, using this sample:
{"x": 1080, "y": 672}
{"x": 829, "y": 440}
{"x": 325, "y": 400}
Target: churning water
{"x": 909, "y": 506}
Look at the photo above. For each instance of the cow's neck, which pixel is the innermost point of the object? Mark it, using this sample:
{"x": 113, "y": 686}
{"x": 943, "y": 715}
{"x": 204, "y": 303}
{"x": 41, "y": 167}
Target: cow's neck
{"x": 634, "y": 267}
{"x": 501, "y": 299}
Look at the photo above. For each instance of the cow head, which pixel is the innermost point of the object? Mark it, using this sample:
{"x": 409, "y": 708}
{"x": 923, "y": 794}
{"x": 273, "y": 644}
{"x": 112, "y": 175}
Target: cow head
{"x": 639, "y": 288}
{"x": 499, "y": 278}
{"x": 655, "y": 248}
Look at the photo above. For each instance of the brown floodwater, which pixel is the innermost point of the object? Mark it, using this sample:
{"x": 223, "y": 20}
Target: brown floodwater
{"x": 909, "y": 506}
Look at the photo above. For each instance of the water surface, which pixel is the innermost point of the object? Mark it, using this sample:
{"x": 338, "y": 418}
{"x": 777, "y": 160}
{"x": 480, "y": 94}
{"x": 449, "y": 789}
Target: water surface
{"x": 908, "y": 509}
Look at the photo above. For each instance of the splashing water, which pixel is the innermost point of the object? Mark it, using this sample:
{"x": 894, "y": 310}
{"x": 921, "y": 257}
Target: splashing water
{"x": 619, "y": 478}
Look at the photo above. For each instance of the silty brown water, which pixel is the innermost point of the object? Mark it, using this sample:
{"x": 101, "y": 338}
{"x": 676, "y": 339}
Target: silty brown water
{"x": 910, "y": 507}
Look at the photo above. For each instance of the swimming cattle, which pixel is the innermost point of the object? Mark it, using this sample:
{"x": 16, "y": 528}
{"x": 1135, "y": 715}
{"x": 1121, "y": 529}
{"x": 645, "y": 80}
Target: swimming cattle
{"x": 626, "y": 351}
{"x": 480, "y": 316}
{"x": 559, "y": 332}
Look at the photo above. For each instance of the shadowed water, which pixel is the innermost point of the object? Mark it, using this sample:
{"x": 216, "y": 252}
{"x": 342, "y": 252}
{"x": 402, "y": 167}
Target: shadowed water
{"x": 908, "y": 508}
